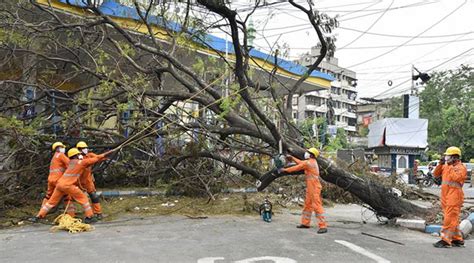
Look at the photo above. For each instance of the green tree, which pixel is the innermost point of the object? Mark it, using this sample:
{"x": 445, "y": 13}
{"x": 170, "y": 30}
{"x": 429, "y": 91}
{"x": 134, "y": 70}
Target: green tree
{"x": 338, "y": 142}
{"x": 448, "y": 103}
{"x": 395, "y": 108}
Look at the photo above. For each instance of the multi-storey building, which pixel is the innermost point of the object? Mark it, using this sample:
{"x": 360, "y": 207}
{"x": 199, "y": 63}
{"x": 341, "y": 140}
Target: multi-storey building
{"x": 342, "y": 95}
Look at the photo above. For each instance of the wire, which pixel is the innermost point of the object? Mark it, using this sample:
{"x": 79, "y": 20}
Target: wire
{"x": 408, "y": 45}
{"x": 442, "y": 63}
{"x": 403, "y": 36}
{"x": 406, "y": 64}
{"x": 409, "y": 40}
{"x": 423, "y": 56}
{"x": 394, "y": 8}
{"x": 370, "y": 27}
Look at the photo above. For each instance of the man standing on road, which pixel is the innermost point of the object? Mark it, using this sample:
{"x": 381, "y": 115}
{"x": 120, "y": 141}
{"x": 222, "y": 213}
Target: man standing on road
{"x": 313, "y": 201}
{"x": 452, "y": 173}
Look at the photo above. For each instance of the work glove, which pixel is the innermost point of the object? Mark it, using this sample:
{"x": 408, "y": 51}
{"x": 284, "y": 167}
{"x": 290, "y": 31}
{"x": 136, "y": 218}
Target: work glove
{"x": 441, "y": 160}
{"x": 280, "y": 170}
{"x": 437, "y": 180}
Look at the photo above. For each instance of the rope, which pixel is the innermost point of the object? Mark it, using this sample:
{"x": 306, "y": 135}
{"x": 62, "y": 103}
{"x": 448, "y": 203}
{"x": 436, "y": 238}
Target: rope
{"x": 70, "y": 224}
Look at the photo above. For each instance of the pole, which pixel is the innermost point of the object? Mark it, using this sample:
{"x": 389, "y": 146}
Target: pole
{"x": 227, "y": 80}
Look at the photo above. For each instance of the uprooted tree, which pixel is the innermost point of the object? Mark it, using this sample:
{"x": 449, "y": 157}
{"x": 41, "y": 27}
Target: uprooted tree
{"x": 96, "y": 75}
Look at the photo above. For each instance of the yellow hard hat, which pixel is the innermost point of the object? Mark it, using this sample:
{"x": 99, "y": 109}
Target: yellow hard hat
{"x": 82, "y": 144}
{"x": 72, "y": 152}
{"x": 57, "y": 144}
{"x": 453, "y": 151}
{"x": 314, "y": 151}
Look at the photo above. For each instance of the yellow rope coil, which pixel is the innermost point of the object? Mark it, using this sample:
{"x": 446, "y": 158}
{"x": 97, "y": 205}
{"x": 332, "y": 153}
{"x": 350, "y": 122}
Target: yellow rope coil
{"x": 71, "y": 224}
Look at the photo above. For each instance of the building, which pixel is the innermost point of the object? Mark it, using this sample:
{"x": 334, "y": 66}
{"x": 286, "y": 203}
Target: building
{"x": 369, "y": 110}
{"x": 342, "y": 95}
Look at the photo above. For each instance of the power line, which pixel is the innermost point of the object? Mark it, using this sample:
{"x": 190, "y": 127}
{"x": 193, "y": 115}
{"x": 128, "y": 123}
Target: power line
{"x": 409, "y": 40}
{"x": 394, "y": 8}
{"x": 422, "y": 56}
{"x": 403, "y": 36}
{"x": 442, "y": 63}
{"x": 406, "y": 64}
{"x": 370, "y": 27}
{"x": 389, "y": 46}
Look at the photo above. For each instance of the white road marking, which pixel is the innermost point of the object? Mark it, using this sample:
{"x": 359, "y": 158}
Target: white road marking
{"x": 274, "y": 259}
{"x": 209, "y": 259}
{"x": 363, "y": 251}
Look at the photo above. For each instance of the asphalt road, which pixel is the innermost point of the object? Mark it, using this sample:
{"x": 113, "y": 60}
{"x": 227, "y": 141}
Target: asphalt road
{"x": 229, "y": 239}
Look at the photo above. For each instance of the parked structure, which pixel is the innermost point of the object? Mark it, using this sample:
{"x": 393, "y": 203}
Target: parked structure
{"x": 398, "y": 142}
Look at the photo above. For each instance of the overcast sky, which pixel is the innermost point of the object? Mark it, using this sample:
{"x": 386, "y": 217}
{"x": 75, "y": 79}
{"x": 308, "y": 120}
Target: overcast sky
{"x": 433, "y": 35}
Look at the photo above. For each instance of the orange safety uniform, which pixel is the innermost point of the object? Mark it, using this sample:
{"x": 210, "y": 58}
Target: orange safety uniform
{"x": 67, "y": 185}
{"x": 452, "y": 198}
{"x": 86, "y": 182}
{"x": 58, "y": 165}
{"x": 313, "y": 201}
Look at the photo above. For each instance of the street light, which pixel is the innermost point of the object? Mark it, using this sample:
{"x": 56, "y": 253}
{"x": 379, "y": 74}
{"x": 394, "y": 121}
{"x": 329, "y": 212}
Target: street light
{"x": 423, "y": 76}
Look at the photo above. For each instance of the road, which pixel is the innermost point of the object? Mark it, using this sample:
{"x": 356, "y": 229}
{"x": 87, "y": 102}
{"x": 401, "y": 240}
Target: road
{"x": 229, "y": 239}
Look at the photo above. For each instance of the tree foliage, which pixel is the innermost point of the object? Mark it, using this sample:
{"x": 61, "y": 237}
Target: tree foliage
{"x": 448, "y": 103}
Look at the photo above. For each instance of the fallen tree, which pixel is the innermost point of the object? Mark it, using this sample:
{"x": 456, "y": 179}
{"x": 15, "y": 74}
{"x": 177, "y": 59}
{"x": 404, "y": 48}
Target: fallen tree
{"x": 145, "y": 71}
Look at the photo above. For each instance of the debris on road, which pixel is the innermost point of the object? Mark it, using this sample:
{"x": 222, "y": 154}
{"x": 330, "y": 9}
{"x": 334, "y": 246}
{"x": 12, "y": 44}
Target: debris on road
{"x": 382, "y": 238}
{"x": 465, "y": 227}
{"x": 433, "y": 229}
{"x": 417, "y": 224}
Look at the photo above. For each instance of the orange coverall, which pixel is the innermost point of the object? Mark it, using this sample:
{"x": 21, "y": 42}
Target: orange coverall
{"x": 313, "y": 201}
{"x": 58, "y": 165}
{"x": 67, "y": 185}
{"x": 452, "y": 198}
{"x": 86, "y": 182}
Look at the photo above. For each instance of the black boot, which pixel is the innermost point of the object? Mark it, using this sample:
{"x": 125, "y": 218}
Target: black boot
{"x": 322, "y": 230}
{"x": 99, "y": 216}
{"x": 34, "y": 219}
{"x": 441, "y": 244}
{"x": 457, "y": 243}
{"x": 90, "y": 220}
{"x": 302, "y": 226}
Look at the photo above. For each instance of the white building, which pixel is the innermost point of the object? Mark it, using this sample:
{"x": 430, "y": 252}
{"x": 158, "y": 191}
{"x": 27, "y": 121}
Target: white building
{"x": 343, "y": 94}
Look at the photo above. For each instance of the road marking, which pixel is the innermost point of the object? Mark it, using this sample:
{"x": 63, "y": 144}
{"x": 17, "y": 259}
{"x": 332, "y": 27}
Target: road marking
{"x": 363, "y": 251}
{"x": 274, "y": 259}
{"x": 209, "y": 260}
{"x": 249, "y": 260}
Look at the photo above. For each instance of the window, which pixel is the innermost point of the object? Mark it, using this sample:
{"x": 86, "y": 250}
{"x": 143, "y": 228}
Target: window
{"x": 308, "y": 114}
{"x": 402, "y": 162}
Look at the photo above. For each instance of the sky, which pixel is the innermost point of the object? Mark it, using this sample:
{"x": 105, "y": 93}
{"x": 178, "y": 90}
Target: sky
{"x": 380, "y": 40}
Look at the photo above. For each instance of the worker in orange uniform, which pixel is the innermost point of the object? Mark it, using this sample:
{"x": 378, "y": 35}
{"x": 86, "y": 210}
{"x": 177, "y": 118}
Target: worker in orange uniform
{"x": 57, "y": 166}
{"x": 313, "y": 201}
{"x": 67, "y": 185}
{"x": 452, "y": 173}
{"x": 86, "y": 181}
